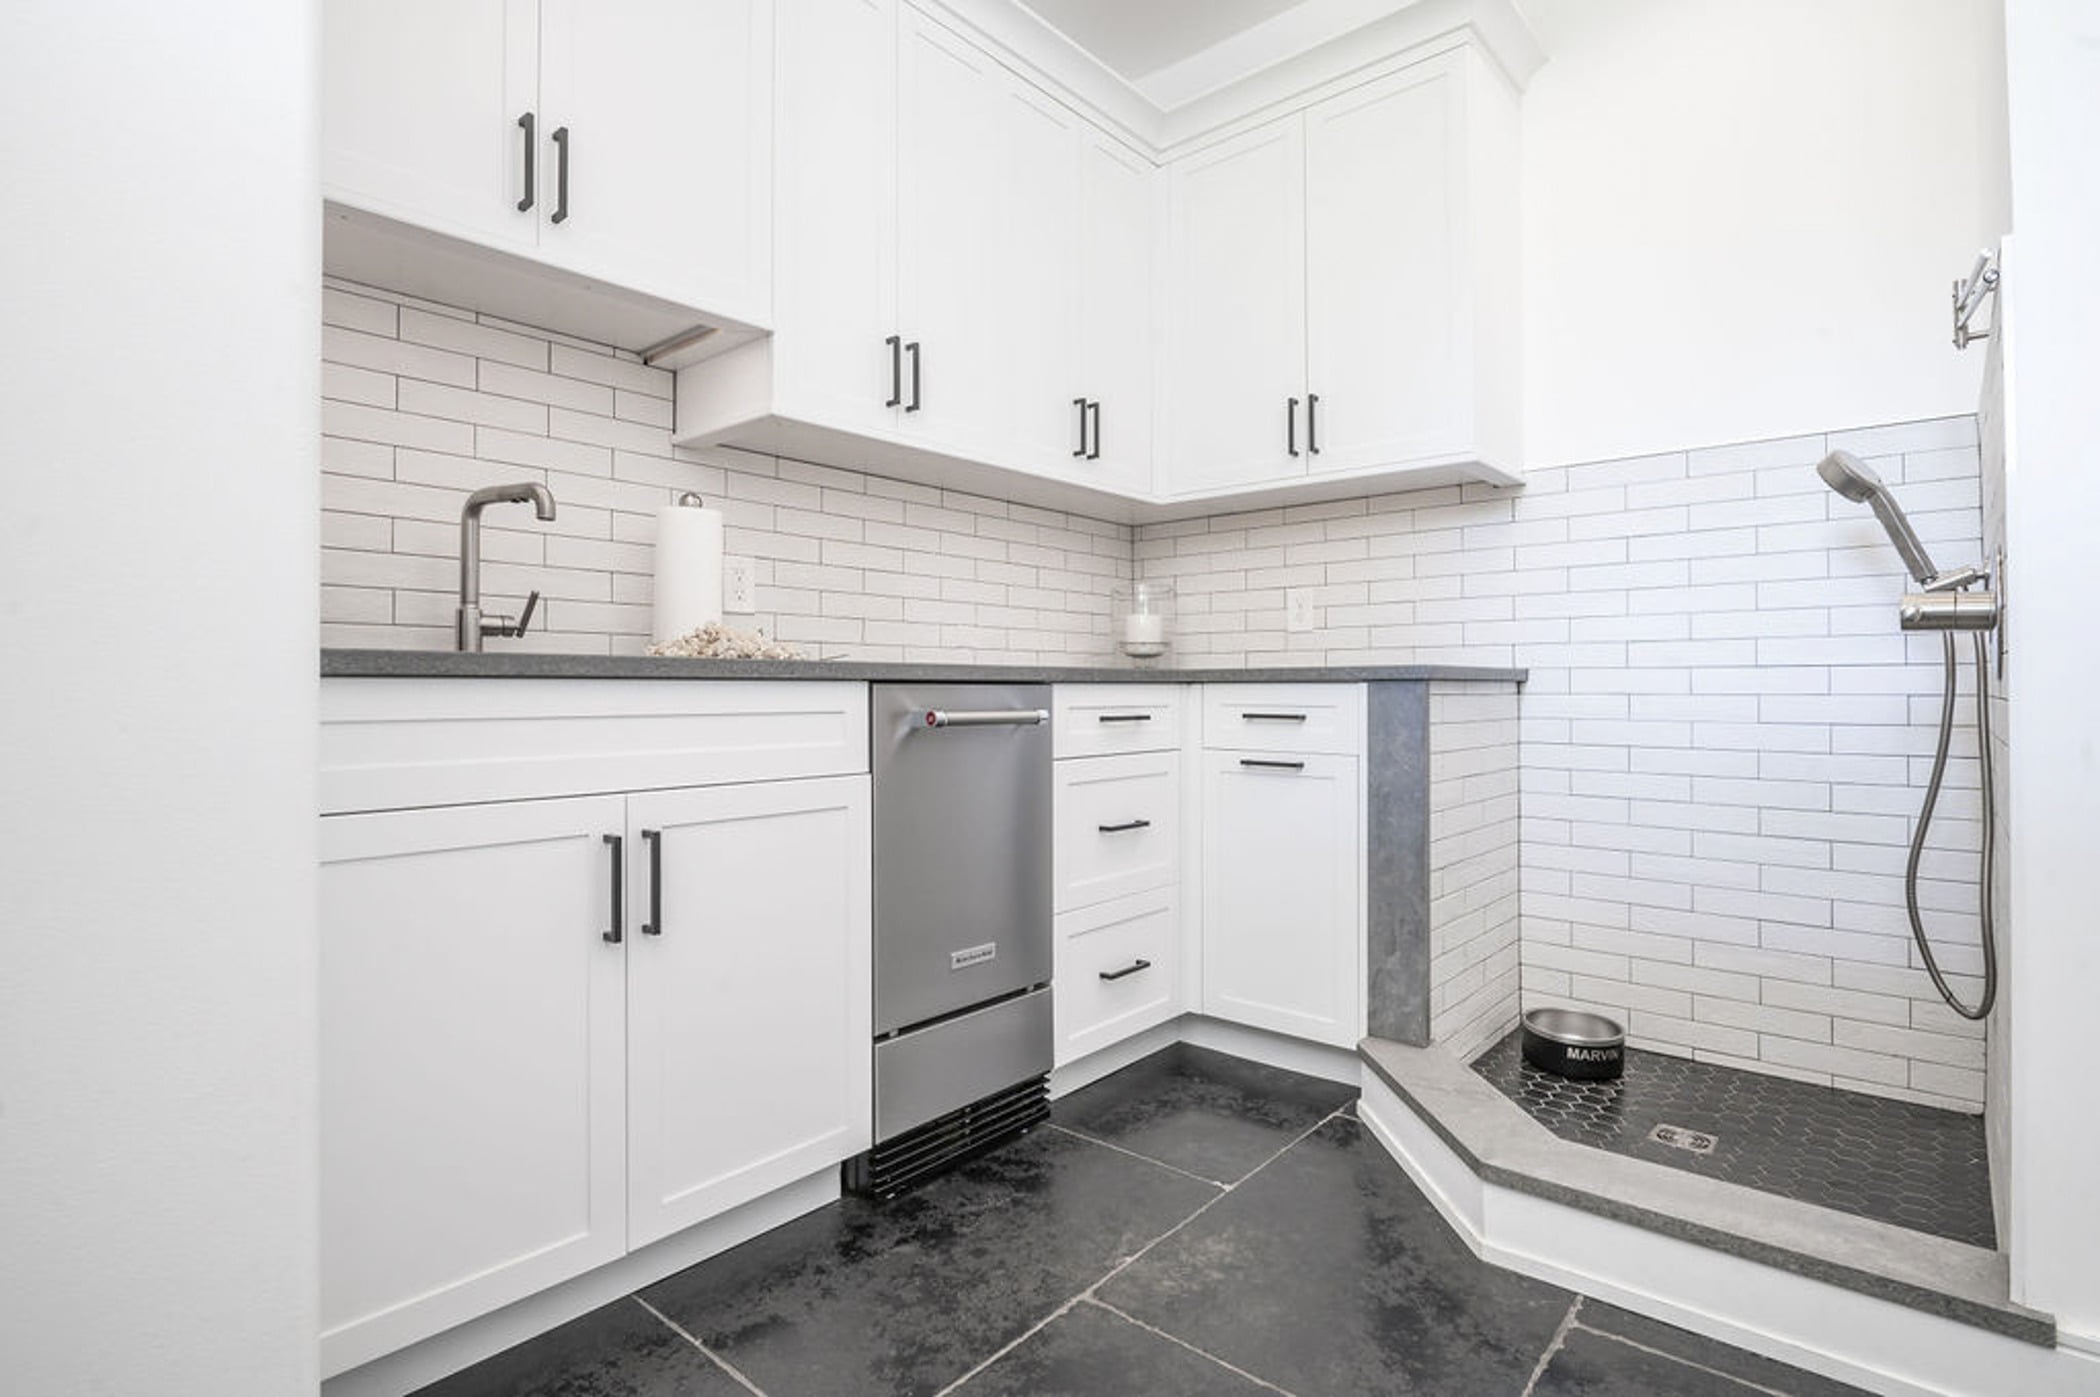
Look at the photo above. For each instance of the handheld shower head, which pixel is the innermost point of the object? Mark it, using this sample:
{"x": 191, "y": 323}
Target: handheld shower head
{"x": 1856, "y": 481}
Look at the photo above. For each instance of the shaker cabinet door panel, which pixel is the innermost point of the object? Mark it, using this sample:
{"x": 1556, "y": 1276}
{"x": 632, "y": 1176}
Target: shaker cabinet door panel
{"x": 420, "y": 108}
{"x": 1235, "y": 345}
{"x": 1281, "y": 894}
{"x": 472, "y": 1056}
{"x": 1117, "y": 307}
{"x": 1386, "y": 352}
{"x": 748, "y": 993}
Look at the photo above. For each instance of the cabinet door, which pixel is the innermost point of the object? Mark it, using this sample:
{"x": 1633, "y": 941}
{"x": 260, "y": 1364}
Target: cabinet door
{"x": 1033, "y": 275}
{"x": 748, "y": 994}
{"x": 419, "y": 112}
{"x": 1385, "y": 348}
{"x": 472, "y": 1060}
{"x": 1282, "y": 948}
{"x": 667, "y": 109}
{"x": 951, "y": 105}
{"x": 1116, "y": 827}
{"x": 1235, "y": 352}
{"x": 1118, "y": 971}
{"x": 835, "y": 191}
{"x": 1116, "y": 304}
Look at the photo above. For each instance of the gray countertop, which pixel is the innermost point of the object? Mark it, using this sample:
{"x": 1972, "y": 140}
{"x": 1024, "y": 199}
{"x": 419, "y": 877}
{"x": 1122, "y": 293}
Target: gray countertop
{"x": 445, "y": 664}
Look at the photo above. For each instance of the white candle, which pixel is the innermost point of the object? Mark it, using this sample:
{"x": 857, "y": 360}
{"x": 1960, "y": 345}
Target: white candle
{"x": 1142, "y": 629}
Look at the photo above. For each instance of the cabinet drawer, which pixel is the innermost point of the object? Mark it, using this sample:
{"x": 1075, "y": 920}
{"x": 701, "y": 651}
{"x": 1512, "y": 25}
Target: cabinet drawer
{"x": 1325, "y": 718}
{"x": 1118, "y": 971}
{"x": 1092, "y": 720}
{"x": 1118, "y": 827}
{"x": 396, "y": 743}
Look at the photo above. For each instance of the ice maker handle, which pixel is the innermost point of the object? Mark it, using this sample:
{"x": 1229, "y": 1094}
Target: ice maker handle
{"x": 985, "y": 718}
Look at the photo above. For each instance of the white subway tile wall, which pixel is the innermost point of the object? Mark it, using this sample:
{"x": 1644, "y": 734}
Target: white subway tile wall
{"x": 1473, "y": 863}
{"x": 424, "y": 402}
{"x": 1725, "y": 737}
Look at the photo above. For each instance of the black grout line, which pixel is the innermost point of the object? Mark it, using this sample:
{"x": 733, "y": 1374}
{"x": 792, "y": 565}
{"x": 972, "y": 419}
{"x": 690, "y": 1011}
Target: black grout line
{"x": 1257, "y": 1380}
{"x": 1560, "y": 1336}
{"x": 1122, "y": 1149}
{"x": 1224, "y": 1191}
{"x": 1745, "y": 1383}
{"x": 719, "y": 1361}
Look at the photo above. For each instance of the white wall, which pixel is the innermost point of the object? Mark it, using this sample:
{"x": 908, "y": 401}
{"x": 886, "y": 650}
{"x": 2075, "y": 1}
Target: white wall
{"x": 158, "y": 386}
{"x": 2052, "y": 505}
{"x": 1741, "y": 220}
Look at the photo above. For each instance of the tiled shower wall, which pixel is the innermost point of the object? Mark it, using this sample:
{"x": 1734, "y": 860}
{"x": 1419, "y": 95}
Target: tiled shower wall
{"x": 424, "y": 402}
{"x": 1725, "y": 737}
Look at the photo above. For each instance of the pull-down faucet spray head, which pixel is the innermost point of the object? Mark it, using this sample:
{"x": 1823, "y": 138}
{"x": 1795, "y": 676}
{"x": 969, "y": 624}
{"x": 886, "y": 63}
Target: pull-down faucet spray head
{"x": 1856, "y": 481}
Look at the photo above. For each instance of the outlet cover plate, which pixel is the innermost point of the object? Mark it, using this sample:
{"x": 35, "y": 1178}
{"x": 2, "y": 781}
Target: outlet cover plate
{"x": 739, "y": 586}
{"x": 1298, "y": 609}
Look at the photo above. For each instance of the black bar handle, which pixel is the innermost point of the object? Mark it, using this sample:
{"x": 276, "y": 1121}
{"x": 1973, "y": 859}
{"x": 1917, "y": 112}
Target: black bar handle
{"x": 655, "y": 925}
{"x": 561, "y": 175}
{"x": 615, "y": 934}
{"x": 1124, "y": 718}
{"x": 1094, "y": 453}
{"x": 1126, "y": 826}
{"x": 1290, "y": 430}
{"x": 527, "y": 124}
{"x": 913, "y": 350}
{"x": 1312, "y": 423}
{"x": 896, "y": 344}
{"x": 532, "y": 604}
{"x": 1080, "y": 403}
{"x": 1131, "y": 969}
{"x": 1273, "y": 717}
{"x": 1250, "y": 761}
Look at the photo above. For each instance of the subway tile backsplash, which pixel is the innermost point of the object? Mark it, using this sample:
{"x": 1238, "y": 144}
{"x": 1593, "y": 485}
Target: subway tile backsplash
{"x": 1723, "y": 741}
{"x": 422, "y": 403}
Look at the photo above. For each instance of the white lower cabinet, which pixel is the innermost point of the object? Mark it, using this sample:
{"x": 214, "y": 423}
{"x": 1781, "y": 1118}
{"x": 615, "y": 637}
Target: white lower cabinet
{"x": 747, "y": 994}
{"x": 532, "y": 1065}
{"x": 473, "y": 1050}
{"x": 1282, "y": 893}
{"x": 1118, "y": 971}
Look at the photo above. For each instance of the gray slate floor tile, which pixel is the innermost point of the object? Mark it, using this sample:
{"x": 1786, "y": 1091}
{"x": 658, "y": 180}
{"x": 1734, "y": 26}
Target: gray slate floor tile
{"x": 620, "y": 1350}
{"x": 1090, "y": 1352}
{"x": 1329, "y": 1275}
{"x": 1708, "y": 1353}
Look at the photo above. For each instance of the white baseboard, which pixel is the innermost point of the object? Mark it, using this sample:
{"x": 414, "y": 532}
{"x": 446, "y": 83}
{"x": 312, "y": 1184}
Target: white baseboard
{"x": 421, "y": 1364}
{"x": 1113, "y": 1058}
{"x": 1260, "y": 1045}
{"x": 1871, "y": 1343}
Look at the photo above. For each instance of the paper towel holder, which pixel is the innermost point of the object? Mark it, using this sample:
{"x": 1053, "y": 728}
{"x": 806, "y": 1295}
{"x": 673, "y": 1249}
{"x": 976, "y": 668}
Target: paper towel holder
{"x": 691, "y": 500}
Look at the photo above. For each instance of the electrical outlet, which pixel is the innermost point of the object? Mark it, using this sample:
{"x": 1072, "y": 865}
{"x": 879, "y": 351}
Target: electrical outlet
{"x": 1298, "y": 609}
{"x": 739, "y": 587}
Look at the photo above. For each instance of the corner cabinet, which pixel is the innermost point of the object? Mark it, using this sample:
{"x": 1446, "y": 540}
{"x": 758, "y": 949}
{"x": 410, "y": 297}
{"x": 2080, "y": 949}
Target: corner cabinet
{"x": 626, "y": 143}
{"x": 1341, "y": 296}
{"x": 557, "y": 1029}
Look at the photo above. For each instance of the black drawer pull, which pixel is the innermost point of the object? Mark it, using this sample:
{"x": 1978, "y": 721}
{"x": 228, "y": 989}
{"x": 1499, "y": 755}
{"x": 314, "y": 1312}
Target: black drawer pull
{"x": 896, "y": 344}
{"x": 1126, "y": 825}
{"x": 1273, "y": 717}
{"x": 619, "y": 883}
{"x": 527, "y": 124}
{"x": 1131, "y": 969}
{"x": 1272, "y": 766}
{"x": 655, "y": 925}
{"x": 1080, "y": 403}
{"x": 1125, "y": 718}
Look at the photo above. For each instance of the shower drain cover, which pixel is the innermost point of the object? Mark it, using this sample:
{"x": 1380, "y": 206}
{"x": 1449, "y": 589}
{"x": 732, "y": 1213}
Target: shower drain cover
{"x": 1678, "y": 1137}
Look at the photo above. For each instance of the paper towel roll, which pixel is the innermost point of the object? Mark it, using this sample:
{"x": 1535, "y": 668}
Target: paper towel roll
{"x": 688, "y": 570}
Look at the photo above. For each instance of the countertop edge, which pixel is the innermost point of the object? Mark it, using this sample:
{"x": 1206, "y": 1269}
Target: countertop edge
{"x": 445, "y": 664}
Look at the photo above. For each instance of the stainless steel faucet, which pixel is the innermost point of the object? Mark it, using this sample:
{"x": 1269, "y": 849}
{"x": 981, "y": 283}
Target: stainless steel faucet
{"x": 472, "y": 628}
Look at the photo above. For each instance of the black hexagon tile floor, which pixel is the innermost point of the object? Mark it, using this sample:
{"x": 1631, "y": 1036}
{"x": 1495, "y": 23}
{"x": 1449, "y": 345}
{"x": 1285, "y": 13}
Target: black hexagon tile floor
{"x": 1194, "y": 1226}
{"x": 1916, "y": 1166}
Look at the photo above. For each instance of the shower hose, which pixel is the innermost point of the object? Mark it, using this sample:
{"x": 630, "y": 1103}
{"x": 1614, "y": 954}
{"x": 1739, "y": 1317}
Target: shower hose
{"x": 1990, "y": 822}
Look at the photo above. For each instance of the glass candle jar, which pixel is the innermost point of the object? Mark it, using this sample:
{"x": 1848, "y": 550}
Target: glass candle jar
{"x": 1142, "y": 617}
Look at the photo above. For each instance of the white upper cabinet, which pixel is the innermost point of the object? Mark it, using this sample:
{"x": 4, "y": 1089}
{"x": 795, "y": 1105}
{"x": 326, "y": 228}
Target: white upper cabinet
{"x": 1117, "y": 301}
{"x": 1035, "y": 268}
{"x": 1342, "y": 302}
{"x": 1235, "y": 340}
{"x": 626, "y": 143}
{"x": 669, "y": 146}
{"x": 420, "y": 112}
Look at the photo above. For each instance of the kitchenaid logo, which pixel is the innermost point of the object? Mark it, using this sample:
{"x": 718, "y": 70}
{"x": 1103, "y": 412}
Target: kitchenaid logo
{"x": 1592, "y": 1054}
{"x": 972, "y": 955}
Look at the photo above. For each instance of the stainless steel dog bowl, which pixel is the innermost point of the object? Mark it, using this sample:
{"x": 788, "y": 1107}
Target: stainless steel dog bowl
{"x": 1571, "y": 1043}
